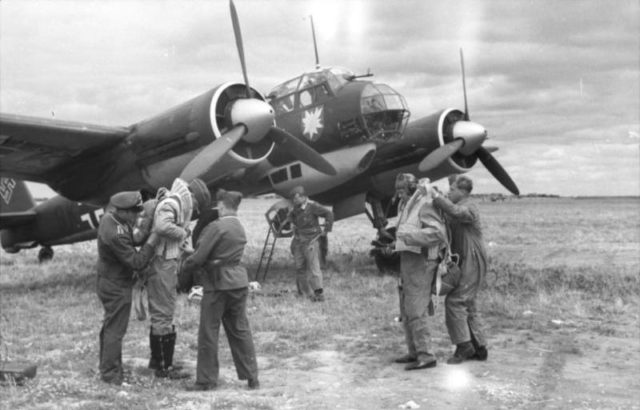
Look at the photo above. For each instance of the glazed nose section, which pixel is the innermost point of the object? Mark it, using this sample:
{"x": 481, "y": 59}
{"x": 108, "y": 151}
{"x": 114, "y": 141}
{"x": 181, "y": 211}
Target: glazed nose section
{"x": 384, "y": 111}
{"x": 256, "y": 115}
{"x": 472, "y": 133}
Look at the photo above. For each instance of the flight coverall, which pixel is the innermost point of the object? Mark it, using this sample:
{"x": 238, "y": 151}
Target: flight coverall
{"x": 420, "y": 240}
{"x": 171, "y": 219}
{"x": 305, "y": 245}
{"x": 225, "y": 288}
{"x": 117, "y": 260}
{"x": 461, "y": 315}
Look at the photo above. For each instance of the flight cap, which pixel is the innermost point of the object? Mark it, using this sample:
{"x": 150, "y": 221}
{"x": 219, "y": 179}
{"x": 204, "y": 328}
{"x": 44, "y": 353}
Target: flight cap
{"x": 201, "y": 193}
{"x": 127, "y": 200}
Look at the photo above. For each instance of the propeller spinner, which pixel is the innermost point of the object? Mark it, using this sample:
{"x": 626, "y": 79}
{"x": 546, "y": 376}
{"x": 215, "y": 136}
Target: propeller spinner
{"x": 468, "y": 137}
{"x": 251, "y": 120}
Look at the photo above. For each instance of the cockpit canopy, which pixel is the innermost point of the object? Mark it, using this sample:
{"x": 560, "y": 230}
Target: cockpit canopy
{"x": 335, "y": 77}
{"x": 382, "y": 114}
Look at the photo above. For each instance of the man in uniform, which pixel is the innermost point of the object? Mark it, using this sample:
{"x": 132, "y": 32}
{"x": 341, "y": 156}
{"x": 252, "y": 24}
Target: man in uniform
{"x": 225, "y": 289}
{"x": 171, "y": 220}
{"x": 117, "y": 260}
{"x": 305, "y": 245}
{"x": 463, "y": 321}
{"x": 420, "y": 241}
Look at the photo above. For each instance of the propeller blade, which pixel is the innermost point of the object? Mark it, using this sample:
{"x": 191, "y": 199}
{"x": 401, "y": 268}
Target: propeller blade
{"x": 212, "y": 153}
{"x": 301, "y": 151}
{"x": 238, "y": 35}
{"x": 440, "y": 155}
{"x": 494, "y": 167}
{"x": 464, "y": 87}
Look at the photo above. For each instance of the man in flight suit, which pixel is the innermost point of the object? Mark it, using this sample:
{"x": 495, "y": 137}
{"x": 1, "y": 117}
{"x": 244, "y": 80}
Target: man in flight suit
{"x": 420, "y": 241}
{"x": 305, "y": 245}
{"x": 171, "y": 220}
{"x": 117, "y": 260}
{"x": 225, "y": 288}
{"x": 461, "y": 315}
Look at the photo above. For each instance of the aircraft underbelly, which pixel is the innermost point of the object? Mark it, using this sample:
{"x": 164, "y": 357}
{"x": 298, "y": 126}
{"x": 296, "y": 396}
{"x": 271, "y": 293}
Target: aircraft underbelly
{"x": 348, "y": 162}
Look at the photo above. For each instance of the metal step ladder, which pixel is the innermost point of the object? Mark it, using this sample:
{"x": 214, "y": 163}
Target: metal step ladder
{"x": 276, "y": 217}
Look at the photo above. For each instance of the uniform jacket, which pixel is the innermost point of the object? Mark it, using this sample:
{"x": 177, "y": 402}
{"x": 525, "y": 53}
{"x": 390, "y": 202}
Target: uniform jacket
{"x": 218, "y": 251}
{"x": 466, "y": 235}
{"x": 305, "y": 220}
{"x": 117, "y": 256}
{"x": 421, "y": 227}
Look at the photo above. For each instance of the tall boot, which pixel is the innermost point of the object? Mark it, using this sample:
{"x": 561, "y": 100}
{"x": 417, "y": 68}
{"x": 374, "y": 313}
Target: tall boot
{"x": 481, "y": 351}
{"x": 464, "y": 351}
{"x": 156, "y": 351}
{"x": 167, "y": 347}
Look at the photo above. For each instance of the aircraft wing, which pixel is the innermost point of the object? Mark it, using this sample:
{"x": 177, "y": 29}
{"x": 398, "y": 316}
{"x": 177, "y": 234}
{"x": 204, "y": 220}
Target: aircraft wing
{"x": 30, "y": 147}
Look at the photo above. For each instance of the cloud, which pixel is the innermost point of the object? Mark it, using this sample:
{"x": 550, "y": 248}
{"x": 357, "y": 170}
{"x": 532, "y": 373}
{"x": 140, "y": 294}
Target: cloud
{"x": 556, "y": 83}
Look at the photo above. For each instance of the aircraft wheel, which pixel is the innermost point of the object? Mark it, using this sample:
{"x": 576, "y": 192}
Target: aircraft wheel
{"x": 45, "y": 254}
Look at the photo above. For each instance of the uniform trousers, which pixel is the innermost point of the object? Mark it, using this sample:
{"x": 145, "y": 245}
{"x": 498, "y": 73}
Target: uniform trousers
{"x": 306, "y": 256}
{"x": 461, "y": 314}
{"x": 115, "y": 296}
{"x": 161, "y": 289}
{"x": 228, "y": 307}
{"x": 417, "y": 274}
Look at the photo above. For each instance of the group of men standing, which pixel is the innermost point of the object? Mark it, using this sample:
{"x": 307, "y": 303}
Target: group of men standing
{"x": 432, "y": 227}
{"x": 218, "y": 251}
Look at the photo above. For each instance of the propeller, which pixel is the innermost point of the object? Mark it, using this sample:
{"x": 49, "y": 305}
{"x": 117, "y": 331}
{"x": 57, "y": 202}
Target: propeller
{"x": 239, "y": 45}
{"x": 252, "y": 119}
{"x": 303, "y": 152}
{"x": 212, "y": 153}
{"x": 494, "y": 167}
{"x": 468, "y": 137}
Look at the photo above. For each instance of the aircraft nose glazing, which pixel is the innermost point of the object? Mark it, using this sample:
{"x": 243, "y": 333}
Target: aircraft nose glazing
{"x": 256, "y": 115}
{"x": 472, "y": 133}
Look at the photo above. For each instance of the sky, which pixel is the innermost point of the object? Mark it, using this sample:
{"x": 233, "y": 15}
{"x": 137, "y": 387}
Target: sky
{"x": 556, "y": 83}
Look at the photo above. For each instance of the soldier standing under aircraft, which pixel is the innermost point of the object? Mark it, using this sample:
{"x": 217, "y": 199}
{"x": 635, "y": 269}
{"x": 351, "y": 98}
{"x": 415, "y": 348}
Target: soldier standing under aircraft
{"x": 117, "y": 260}
{"x": 305, "y": 245}
{"x": 171, "y": 221}
{"x": 225, "y": 285}
{"x": 463, "y": 322}
{"x": 420, "y": 241}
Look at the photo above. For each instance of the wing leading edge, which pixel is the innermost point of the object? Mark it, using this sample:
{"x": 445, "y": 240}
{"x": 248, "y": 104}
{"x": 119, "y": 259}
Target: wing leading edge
{"x": 30, "y": 147}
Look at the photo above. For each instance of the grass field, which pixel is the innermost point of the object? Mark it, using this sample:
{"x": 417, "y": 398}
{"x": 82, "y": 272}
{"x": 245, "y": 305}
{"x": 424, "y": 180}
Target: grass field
{"x": 561, "y": 306}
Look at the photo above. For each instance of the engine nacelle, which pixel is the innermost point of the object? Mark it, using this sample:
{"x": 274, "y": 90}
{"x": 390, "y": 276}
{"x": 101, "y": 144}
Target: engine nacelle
{"x": 424, "y": 135}
{"x": 166, "y": 143}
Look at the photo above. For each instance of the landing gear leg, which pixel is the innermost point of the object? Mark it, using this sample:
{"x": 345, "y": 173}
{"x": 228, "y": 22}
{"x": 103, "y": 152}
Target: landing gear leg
{"x": 387, "y": 260}
{"x": 45, "y": 254}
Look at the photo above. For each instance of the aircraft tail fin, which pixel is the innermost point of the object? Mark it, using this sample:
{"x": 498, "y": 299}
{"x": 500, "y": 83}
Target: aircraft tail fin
{"x": 16, "y": 203}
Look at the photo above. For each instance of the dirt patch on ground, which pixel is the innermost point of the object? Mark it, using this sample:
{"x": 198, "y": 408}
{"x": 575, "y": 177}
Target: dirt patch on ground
{"x": 565, "y": 366}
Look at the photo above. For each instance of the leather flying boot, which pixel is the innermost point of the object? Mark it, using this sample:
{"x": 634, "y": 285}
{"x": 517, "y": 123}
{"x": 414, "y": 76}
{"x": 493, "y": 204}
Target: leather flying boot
{"x": 253, "y": 384}
{"x": 318, "y": 295}
{"x": 481, "y": 351}
{"x": 156, "y": 351}
{"x": 166, "y": 370}
{"x": 407, "y": 358}
{"x": 464, "y": 351}
{"x": 201, "y": 387}
{"x": 423, "y": 361}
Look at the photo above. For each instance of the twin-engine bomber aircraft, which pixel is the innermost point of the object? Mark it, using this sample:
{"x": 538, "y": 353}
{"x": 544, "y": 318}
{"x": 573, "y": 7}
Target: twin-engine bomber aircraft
{"x": 341, "y": 137}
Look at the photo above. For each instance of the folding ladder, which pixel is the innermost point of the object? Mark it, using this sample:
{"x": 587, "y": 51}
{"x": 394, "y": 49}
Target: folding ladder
{"x": 278, "y": 228}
